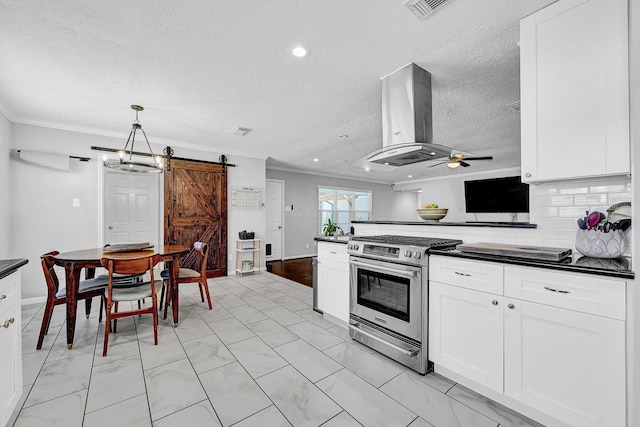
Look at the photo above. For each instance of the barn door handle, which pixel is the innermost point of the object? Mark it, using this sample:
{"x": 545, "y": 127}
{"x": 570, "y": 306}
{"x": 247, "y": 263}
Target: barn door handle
{"x": 168, "y": 220}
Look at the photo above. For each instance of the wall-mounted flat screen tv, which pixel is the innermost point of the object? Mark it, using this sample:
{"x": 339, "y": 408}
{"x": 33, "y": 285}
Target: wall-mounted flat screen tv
{"x": 496, "y": 195}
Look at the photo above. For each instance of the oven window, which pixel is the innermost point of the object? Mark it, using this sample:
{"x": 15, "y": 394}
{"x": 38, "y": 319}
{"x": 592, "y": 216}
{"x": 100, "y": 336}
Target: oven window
{"x": 385, "y": 293}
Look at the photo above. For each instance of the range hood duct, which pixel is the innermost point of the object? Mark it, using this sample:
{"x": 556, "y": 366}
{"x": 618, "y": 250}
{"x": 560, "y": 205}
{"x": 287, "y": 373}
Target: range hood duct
{"x": 407, "y": 132}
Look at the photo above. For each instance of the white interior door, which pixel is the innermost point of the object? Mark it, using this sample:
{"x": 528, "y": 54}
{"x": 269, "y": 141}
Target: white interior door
{"x": 131, "y": 207}
{"x": 275, "y": 207}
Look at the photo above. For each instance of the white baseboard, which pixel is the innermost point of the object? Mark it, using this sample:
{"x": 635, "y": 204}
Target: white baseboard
{"x": 35, "y": 300}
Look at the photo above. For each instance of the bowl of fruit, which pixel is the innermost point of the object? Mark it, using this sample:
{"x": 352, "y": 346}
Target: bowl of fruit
{"x": 432, "y": 212}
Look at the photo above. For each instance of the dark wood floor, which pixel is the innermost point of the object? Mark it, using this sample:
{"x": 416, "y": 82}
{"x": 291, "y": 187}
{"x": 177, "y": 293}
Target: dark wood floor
{"x": 299, "y": 270}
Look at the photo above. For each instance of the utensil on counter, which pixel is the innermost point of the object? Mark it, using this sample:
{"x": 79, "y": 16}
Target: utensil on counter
{"x": 582, "y": 224}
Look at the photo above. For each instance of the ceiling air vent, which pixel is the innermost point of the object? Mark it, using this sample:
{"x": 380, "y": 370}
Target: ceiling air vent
{"x": 515, "y": 106}
{"x": 424, "y": 8}
{"x": 240, "y": 131}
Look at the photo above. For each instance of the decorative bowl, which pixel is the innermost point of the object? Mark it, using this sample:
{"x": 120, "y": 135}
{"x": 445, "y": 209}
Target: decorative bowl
{"x": 598, "y": 244}
{"x": 432, "y": 214}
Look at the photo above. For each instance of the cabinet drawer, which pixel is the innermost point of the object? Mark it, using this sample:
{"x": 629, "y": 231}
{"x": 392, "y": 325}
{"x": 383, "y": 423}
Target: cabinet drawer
{"x": 9, "y": 291}
{"x": 333, "y": 252}
{"x": 477, "y": 275}
{"x": 580, "y": 292}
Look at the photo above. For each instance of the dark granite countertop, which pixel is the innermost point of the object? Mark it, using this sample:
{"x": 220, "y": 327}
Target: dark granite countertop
{"x": 454, "y": 224}
{"x": 617, "y": 267}
{"x": 333, "y": 239}
{"x": 8, "y": 266}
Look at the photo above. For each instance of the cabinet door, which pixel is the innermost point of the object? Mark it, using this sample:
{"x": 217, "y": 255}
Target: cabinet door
{"x": 334, "y": 277}
{"x": 10, "y": 346}
{"x": 574, "y": 90}
{"x": 567, "y": 364}
{"x": 465, "y": 333}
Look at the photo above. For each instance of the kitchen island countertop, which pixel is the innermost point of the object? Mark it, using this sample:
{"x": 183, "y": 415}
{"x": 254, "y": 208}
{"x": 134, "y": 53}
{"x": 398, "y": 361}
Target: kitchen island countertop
{"x": 617, "y": 267}
{"x": 333, "y": 239}
{"x": 454, "y": 224}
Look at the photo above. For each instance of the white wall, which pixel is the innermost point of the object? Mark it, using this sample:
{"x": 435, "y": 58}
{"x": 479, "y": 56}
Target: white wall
{"x": 301, "y": 191}
{"x": 5, "y": 187}
{"x": 555, "y": 206}
{"x": 42, "y": 216}
{"x": 404, "y": 205}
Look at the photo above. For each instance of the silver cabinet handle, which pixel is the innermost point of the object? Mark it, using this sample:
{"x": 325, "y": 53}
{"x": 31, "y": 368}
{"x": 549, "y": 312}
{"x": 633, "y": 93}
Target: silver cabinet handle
{"x": 560, "y": 291}
{"x": 9, "y": 322}
{"x": 2, "y": 297}
{"x": 462, "y": 274}
{"x": 511, "y": 306}
{"x": 494, "y": 302}
{"x": 333, "y": 253}
{"x": 527, "y": 175}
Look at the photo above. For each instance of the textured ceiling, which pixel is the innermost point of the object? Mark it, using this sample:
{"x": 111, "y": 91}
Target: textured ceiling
{"x": 201, "y": 67}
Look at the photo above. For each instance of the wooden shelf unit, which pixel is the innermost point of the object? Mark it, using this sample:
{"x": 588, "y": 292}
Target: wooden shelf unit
{"x": 242, "y": 248}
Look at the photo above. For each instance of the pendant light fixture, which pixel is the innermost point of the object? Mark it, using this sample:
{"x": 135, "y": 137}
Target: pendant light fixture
{"x": 126, "y": 162}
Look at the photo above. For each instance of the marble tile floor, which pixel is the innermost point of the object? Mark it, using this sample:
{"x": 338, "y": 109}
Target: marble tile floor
{"x": 261, "y": 357}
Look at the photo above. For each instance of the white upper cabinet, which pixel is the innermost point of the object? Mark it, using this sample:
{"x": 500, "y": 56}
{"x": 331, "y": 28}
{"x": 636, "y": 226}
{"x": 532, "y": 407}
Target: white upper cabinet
{"x": 574, "y": 88}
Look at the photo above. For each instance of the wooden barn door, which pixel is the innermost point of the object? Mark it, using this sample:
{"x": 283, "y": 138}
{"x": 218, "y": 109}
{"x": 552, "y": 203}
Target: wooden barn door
{"x": 195, "y": 208}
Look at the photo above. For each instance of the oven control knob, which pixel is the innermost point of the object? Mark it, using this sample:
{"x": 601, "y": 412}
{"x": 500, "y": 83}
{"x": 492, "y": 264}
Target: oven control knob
{"x": 408, "y": 254}
{"x": 356, "y": 247}
{"x": 417, "y": 255}
{"x": 349, "y": 246}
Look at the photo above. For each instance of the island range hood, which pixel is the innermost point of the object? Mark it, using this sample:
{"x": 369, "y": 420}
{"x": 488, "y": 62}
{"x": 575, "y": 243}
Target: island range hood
{"x": 407, "y": 133}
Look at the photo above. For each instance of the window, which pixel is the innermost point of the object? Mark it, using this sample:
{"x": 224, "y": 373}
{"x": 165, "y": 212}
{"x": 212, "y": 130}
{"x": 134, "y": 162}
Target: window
{"x": 343, "y": 206}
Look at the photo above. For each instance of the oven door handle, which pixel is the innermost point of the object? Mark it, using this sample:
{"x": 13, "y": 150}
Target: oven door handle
{"x": 408, "y": 353}
{"x": 408, "y": 273}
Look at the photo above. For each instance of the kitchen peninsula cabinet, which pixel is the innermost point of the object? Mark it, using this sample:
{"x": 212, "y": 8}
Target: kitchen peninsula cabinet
{"x": 10, "y": 345}
{"x": 574, "y": 88}
{"x": 548, "y": 344}
{"x": 333, "y": 280}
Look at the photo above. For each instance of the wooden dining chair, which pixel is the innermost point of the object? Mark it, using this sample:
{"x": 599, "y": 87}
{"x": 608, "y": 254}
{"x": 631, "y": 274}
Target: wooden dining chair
{"x": 188, "y": 275}
{"x": 87, "y": 289}
{"x": 134, "y": 292}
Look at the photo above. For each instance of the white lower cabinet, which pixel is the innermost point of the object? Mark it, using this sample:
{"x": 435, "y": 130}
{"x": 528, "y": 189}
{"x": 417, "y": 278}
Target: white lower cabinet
{"x": 10, "y": 346}
{"x": 567, "y": 364}
{"x": 550, "y": 350}
{"x": 465, "y": 333}
{"x": 333, "y": 280}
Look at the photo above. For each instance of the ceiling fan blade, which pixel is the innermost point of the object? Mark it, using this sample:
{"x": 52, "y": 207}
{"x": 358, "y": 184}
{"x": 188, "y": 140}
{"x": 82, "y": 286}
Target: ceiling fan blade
{"x": 479, "y": 158}
{"x": 438, "y": 164}
{"x": 464, "y": 164}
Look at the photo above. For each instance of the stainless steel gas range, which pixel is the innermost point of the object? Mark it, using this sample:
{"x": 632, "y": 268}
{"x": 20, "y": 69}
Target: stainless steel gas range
{"x": 388, "y": 279}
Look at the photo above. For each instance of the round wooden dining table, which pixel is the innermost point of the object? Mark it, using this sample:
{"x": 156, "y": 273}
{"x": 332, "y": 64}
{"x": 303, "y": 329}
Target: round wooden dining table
{"x": 74, "y": 261}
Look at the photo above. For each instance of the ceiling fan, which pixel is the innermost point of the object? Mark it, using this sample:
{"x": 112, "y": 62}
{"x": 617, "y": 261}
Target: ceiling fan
{"x": 459, "y": 159}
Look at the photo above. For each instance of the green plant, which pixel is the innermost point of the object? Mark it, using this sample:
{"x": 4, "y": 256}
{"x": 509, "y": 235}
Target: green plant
{"x": 330, "y": 227}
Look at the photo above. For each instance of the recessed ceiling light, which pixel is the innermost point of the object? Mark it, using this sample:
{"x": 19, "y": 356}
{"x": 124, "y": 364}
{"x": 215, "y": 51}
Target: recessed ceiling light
{"x": 298, "y": 51}
{"x": 409, "y": 176}
{"x": 316, "y": 160}
{"x": 367, "y": 168}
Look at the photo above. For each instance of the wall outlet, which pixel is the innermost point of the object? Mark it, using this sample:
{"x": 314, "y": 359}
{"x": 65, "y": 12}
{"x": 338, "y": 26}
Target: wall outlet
{"x": 76, "y": 203}
{"x": 307, "y": 246}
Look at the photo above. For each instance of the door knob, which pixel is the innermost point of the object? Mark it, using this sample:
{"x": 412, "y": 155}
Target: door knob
{"x": 511, "y": 306}
{"x": 111, "y": 227}
{"x": 494, "y": 302}
{"x": 8, "y": 322}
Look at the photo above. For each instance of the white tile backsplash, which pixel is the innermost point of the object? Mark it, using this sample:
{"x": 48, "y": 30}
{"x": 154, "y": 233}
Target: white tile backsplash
{"x": 554, "y": 206}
